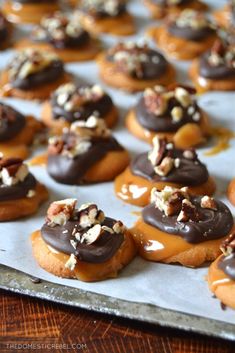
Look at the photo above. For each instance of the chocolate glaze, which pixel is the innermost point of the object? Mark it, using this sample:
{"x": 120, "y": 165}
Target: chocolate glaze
{"x": 103, "y": 106}
{"x": 33, "y": 1}
{"x": 67, "y": 42}
{"x": 102, "y": 250}
{"x": 71, "y": 171}
{"x": 11, "y": 122}
{"x": 99, "y": 13}
{"x": 214, "y": 72}
{"x": 3, "y": 28}
{"x": 49, "y": 74}
{"x": 190, "y": 172}
{"x": 227, "y": 265}
{"x": 212, "y": 224}
{"x": 18, "y": 191}
{"x": 165, "y": 2}
{"x": 190, "y": 33}
{"x": 162, "y": 123}
{"x": 153, "y": 68}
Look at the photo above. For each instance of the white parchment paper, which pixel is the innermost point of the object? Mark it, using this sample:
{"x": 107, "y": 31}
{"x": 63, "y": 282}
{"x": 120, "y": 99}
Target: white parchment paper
{"x": 168, "y": 286}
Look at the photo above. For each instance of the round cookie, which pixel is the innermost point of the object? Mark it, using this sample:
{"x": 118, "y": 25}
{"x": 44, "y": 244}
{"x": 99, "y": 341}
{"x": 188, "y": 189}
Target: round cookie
{"x": 133, "y": 67}
{"x": 71, "y": 102}
{"x": 20, "y": 193}
{"x": 221, "y": 275}
{"x": 87, "y": 153}
{"x": 17, "y": 132}
{"x": 172, "y": 113}
{"x": 82, "y": 243}
{"x": 163, "y": 166}
{"x": 180, "y": 228}
{"x": 161, "y": 8}
{"x": 215, "y": 69}
{"x": 28, "y": 11}
{"x": 184, "y": 36}
{"x": 231, "y": 192}
{"x": 106, "y": 16}
{"x": 33, "y": 74}
{"x": 63, "y": 35}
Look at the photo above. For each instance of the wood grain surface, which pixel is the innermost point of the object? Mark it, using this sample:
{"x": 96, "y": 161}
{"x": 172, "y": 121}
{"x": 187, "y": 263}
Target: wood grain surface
{"x": 31, "y": 325}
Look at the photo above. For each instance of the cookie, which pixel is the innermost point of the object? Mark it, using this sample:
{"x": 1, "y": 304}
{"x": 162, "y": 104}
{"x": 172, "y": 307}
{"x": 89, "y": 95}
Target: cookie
{"x": 172, "y": 113}
{"x": 33, "y": 74}
{"x": 164, "y": 165}
{"x": 20, "y": 193}
{"x": 231, "y": 192}
{"x": 177, "y": 227}
{"x": 82, "y": 243}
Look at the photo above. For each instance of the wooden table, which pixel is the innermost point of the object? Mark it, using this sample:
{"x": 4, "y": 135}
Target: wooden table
{"x": 50, "y": 327}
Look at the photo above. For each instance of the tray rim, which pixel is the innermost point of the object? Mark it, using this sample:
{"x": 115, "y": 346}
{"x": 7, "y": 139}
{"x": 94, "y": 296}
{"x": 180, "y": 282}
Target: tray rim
{"x": 21, "y": 283}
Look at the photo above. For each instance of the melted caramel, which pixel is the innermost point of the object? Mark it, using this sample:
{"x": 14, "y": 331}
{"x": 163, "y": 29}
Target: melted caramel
{"x": 155, "y": 245}
{"x": 38, "y": 160}
{"x": 217, "y": 277}
{"x": 223, "y": 137}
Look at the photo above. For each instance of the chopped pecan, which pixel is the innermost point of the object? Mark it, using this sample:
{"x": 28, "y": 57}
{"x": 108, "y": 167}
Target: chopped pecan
{"x": 158, "y": 152}
{"x": 208, "y": 202}
{"x": 188, "y": 212}
{"x": 163, "y": 169}
{"x": 60, "y": 212}
{"x": 228, "y": 245}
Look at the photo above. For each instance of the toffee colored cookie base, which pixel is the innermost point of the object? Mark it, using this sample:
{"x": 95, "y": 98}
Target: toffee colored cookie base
{"x": 27, "y": 13}
{"x": 17, "y": 147}
{"x": 10, "y": 210}
{"x": 122, "y": 25}
{"x": 221, "y": 285}
{"x": 159, "y": 12}
{"x": 41, "y": 93}
{"x": 82, "y": 53}
{"x": 179, "y": 48}
{"x": 223, "y": 16}
{"x": 158, "y": 246}
{"x": 136, "y": 190}
{"x": 113, "y": 77}
{"x": 189, "y": 135}
{"x": 231, "y": 192}
{"x": 205, "y": 84}
{"x": 84, "y": 271}
{"x": 59, "y": 124}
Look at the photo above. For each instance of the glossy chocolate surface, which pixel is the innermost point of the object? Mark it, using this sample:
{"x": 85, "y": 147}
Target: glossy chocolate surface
{"x": 227, "y": 265}
{"x": 162, "y": 123}
{"x": 67, "y": 170}
{"x": 189, "y": 33}
{"x": 51, "y": 73}
{"x": 221, "y": 71}
{"x": 102, "y": 106}
{"x": 103, "y": 249}
{"x": 212, "y": 225}
{"x": 190, "y": 172}
{"x": 17, "y": 191}
{"x": 11, "y": 122}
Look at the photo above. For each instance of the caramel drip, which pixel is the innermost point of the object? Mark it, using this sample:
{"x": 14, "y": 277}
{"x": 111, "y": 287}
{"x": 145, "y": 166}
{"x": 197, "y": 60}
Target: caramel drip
{"x": 155, "y": 245}
{"x": 223, "y": 137}
{"x": 218, "y": 277}
{"x": 38, "y": 160}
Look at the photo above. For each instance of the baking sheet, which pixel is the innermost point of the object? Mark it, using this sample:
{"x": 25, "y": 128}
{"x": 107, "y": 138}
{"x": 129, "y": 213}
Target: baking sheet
{"x": 167, "y": 286}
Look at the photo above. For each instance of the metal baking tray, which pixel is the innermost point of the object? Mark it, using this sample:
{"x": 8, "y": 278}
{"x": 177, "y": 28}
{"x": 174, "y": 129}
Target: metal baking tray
{"x": 19, "y": 282}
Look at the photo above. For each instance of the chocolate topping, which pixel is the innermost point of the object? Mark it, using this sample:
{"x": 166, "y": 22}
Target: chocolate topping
{"x": 212, "y": 224}
{"x": 218, "y": 63}
{"x": 11, "y": 122}
{"x": 160, "y": 110}
{"x": 189, "y": 172}
{"x": 103, "y": 8}
{"x": 61, "y": 31}
{"x": 74, "y": 103}
{"x": 73, "y": 154}
{"x": 3, "y": 28}
{"x": 227, "y": 262}
{"x": 85, "y": 233}
{"x": 171, "y": 2}
{"x": 31, "y": 68}
{"x": 34, "y": 1}
{"x": 15, "y": 180}
{"x": 138, "y": 61}
{"x": 190, "y": 25}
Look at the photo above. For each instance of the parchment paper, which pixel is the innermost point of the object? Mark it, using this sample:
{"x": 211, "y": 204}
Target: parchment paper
{"x": 168, "y": 286}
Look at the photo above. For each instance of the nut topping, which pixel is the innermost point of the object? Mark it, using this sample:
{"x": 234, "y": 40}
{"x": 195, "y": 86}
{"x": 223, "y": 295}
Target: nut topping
{"x": 12, "y": 171}
{"x": 165, "y": 167}
{"x": 228, "y": 245}
{"x": 209, "y": 203}
{"x": 169, "y": 200}
{"x": 222, "y": 54}
{"x": 92, "y": 234}
{"x": 60, "y": 212}
{"x": 188, "y": 212}
{"x": 71, "y": 263}
{"x": 193, "y": 19}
